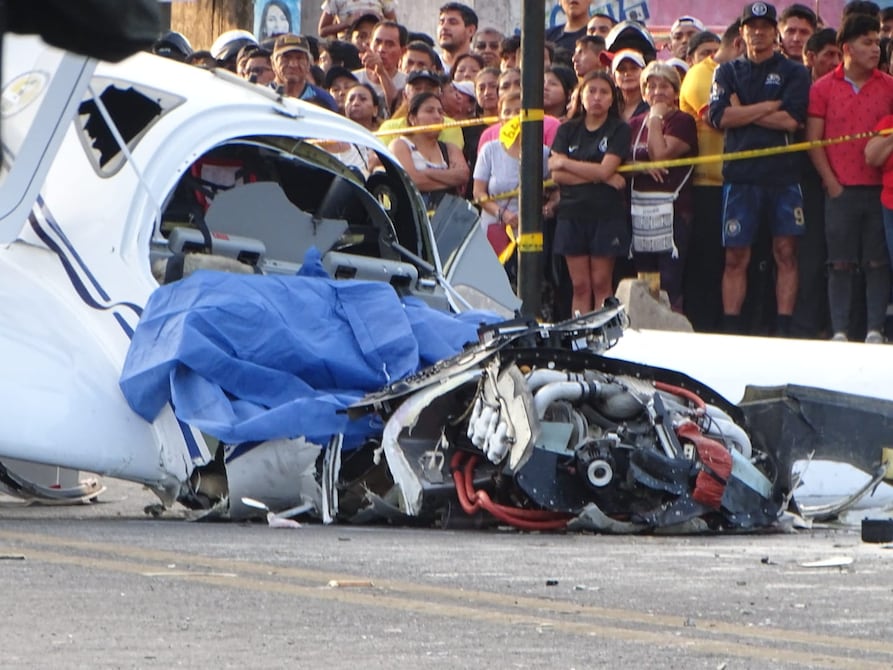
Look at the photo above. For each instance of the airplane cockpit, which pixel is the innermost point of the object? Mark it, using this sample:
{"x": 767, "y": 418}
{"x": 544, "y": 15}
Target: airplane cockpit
{"x": 259, "y": 204}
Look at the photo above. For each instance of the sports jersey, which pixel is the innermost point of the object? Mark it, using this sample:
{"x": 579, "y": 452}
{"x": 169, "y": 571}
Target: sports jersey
{"x": 591, "y": 200}
{"x": 776, "y": 78}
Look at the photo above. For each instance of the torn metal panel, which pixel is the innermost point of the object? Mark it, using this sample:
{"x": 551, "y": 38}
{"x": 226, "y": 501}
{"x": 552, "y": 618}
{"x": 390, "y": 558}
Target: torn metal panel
{"x": 279, "y": 473}
{"x": 791, "y": 423}
{"x": 409, "y": 445}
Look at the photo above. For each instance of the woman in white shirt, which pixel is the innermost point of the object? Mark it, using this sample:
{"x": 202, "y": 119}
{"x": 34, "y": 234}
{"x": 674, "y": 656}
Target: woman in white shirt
{"x": 435, "y": 167}
{"x": 498, "y": 171}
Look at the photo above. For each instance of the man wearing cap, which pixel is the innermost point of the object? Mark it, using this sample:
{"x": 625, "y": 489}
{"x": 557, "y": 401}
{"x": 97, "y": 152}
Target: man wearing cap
{"x": 565, "y": 35}
{"x": 682, "y": 30}
{"x": 291, "y": 64}
{"x": 760, "y": 101}
{"x": 796, "y": 25}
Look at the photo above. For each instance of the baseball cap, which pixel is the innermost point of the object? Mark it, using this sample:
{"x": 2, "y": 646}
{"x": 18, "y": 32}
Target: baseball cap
{"x": 686, "y": 22}
{"x": 465, "y": 87}
{"x": 291, "y": 42}
{"x": 677, "y": 63}
{"x": 415, "y": 75}
{"x": 615, "y": 59}
{"x": 759, "y": 10}
{"x": 336, "y": 72}
{"x": 631, "y": 35}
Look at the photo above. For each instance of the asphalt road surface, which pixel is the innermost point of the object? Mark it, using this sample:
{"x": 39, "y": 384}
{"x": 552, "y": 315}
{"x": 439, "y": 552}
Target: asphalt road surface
{"x": 106, "y": 586}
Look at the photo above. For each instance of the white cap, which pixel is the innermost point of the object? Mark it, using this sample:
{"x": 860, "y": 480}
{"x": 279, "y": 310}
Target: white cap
{"x": 686, "y": 21}
{"x": 465, "y": 87}
{"x": 677, "y": 63}
{"x": 625, "y": 54}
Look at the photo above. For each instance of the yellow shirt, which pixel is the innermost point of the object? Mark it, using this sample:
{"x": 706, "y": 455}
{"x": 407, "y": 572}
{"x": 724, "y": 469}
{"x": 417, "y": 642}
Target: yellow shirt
{"x": 694, "y": 99}
{"x": 453, "y": 135}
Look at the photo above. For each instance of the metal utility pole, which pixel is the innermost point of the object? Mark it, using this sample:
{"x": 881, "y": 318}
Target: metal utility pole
{"x": 530, "y": 241}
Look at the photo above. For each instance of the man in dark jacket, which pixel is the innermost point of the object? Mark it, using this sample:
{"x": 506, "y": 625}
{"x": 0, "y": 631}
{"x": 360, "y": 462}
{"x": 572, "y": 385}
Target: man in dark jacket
{"x": 759, "y": 101}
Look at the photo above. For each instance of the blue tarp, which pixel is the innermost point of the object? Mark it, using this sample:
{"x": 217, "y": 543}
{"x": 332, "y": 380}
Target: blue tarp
{"x": 250, "y": 357}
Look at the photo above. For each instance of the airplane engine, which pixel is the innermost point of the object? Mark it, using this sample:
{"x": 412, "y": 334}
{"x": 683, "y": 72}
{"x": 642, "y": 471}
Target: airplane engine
{"x": 543, "y": 437}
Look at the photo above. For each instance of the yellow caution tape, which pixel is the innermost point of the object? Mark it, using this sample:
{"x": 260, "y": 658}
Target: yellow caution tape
{"x": 752, "y": 153}
{"x": 509, "y": 250}
{"x": 532, "y": 115}
{"x": 509, "y": 132}
{"x": 528, "y": 242}
{"x": 548, "y": 183}
{"x": 463, "y": 123}
{"x": 716, "y": 158}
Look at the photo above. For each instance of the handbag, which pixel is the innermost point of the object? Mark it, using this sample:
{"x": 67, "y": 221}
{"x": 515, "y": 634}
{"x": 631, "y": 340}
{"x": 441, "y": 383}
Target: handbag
{"x": 651, "y": 213}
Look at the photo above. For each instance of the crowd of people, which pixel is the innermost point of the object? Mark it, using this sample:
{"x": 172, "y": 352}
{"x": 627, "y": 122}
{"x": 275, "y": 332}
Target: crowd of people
{"x": 790, "y": 243}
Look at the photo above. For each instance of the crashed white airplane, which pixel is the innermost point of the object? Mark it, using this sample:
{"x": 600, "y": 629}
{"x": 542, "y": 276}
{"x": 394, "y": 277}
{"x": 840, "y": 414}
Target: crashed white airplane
{"x": 120, "y": 180}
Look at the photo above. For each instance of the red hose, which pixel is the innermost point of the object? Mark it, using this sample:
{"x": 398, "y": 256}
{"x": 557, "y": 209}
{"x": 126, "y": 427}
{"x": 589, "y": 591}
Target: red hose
{"x": 484, "y": 498}
{"x": 471, "y": 501}
{"x": 685, "y": 393}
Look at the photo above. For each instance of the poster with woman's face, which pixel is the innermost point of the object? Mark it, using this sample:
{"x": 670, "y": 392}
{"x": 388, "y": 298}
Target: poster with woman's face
{"x": 275, "y": 17}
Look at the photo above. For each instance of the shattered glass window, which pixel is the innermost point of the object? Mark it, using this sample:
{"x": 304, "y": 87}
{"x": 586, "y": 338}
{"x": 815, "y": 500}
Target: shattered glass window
{"x": 132, "y": 110}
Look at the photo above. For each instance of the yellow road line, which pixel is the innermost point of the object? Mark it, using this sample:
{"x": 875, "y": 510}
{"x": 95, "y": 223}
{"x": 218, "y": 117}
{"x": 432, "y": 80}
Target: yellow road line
{"x": 588, "y": 620}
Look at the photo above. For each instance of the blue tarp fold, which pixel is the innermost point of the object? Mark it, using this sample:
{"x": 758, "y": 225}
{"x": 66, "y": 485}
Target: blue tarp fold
{"x": 249, "y": 357}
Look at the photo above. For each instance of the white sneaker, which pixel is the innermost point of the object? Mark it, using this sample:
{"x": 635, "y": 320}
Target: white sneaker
{"x": 874, "y": 337}
{"x": 839, "y": 337}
